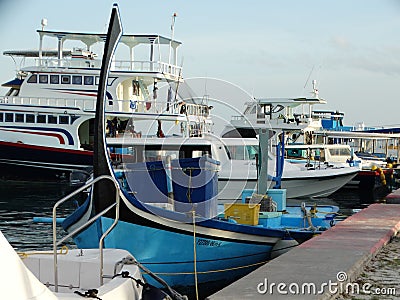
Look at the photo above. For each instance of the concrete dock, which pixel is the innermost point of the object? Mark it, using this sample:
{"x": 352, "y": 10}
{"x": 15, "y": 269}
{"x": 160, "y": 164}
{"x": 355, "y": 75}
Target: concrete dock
{"x": 324, "y": 266}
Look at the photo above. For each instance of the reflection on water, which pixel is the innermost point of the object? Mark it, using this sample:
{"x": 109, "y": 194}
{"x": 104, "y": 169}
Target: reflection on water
{"x": 20, "y": 202}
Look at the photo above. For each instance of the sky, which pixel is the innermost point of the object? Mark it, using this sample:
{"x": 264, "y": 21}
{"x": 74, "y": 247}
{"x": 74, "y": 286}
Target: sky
{"x": 268, "y": 48}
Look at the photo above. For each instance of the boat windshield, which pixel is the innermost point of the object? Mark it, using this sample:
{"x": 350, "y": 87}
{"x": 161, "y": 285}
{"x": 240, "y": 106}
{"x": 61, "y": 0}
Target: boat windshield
{"x": 242, "y": 152}
{"x": 340, "y": 152}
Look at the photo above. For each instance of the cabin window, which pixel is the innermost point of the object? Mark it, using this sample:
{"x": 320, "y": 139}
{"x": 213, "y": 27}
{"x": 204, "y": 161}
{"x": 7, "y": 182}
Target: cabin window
{"x": 33, "y": 79}
{"x": 1, "y": 117}
{"x": 52, "y": 119}
{"x": 63, "y": 119}
{"x": 43, "y": 79}
{"x": 19, "y": 118}
{"x": 76, "y": 79}
{"x": 54, "y": 79}
{"x": 65, "y": 79}
{"x": 97, "y": 80}
{"x": 30, "y": 118}
{"x": 9, "y": 117}
{"x": 41, "y": 119}
{"x": 88, "y": 80}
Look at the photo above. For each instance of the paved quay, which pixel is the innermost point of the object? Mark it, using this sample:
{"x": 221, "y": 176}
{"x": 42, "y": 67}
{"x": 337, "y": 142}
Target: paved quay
{"x": 325, "y": 266}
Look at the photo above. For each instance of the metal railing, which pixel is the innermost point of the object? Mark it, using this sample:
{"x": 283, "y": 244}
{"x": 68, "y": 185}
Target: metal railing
{"x": 86, "y": 224}
{"x": 124, "y": 106}
{"x": 124, "y": 65}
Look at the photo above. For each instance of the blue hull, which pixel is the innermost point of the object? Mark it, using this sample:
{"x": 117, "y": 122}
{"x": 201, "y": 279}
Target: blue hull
{"x": 170, "y": 255}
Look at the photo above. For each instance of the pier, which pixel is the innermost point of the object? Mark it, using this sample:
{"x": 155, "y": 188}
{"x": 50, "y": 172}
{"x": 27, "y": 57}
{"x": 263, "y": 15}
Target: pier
{"x": 325, "y": 265}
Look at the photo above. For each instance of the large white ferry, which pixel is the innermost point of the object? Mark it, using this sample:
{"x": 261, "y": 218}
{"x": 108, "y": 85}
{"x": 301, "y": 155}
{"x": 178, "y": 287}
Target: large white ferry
{"x": 47, "y": 116}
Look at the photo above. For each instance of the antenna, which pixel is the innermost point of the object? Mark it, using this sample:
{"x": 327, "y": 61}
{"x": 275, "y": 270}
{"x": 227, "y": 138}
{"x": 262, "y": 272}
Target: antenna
{"x": 309, "y": 75}
{"x": 172, "y": 36}
{"x": 43, "y": 23}
{"x": 315, "y": 91}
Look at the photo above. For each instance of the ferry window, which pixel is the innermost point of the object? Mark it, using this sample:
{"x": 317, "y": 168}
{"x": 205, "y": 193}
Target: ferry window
{"x": 30, "y": 118}
{"x": 19, "y": 118}
{"x": 51, "y": 119}
{"x": 54, "y": 79}
{"x": 76, "y": 79}
{"x": 43, "y": 79}
{"x": 111, "y": 80}
{"x": 33, "y": 79}
{"x": 88, "y": 80}
{"x": 41, "y": 119}
{"x": 9, "y": 117}
{"x": 63, "y": 119}
{"x": 73, "y": 119}
{"x": 1, "y": 117}
{"x": 65, "y": 79}
{"x": 97, "y": 80}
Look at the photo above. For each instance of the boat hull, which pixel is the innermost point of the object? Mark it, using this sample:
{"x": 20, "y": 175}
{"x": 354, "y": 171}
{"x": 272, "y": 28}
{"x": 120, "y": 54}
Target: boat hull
{"x": 170, "y": 255}
{"x": 26, "y": 162}
{"x": 313, "y": 185}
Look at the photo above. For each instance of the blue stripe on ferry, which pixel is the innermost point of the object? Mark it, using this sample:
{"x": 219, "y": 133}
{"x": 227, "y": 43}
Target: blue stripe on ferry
{"x": 40, "y": 106}
{"x": 69, "y": 136}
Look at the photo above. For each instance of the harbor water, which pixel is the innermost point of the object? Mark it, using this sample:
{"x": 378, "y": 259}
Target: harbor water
{"x": 20, "y": 202}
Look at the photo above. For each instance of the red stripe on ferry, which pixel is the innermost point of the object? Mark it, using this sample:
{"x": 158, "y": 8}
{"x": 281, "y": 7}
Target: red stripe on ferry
{"x": 81, "y": 94}
{"x": 22, "y": 145}
{"x": 56, "y": 135}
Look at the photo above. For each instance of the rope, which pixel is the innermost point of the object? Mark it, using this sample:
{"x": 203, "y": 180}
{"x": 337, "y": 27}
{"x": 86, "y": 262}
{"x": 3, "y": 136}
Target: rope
{"x": 92, "y": 293}
{"x": 189, "y": 193}
{"x": 195, "y": 253}
{"x": 215, "y": 271}
{"x": 23, "y": 255}
{"x": 174, "y": 168}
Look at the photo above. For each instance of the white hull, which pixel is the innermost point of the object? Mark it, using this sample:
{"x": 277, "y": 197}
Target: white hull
{"x": 33, "y": 277}
{"x": 313, "y": 183}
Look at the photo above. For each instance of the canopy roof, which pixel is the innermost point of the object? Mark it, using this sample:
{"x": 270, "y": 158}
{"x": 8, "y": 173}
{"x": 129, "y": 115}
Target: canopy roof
{"x": 290, "y": 102}
{"x": 130, "y": 40}
{"x": 35, "y": 53}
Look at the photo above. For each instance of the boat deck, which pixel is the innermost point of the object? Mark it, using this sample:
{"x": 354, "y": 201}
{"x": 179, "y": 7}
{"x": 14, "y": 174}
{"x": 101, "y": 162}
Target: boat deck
{"x": 331, "y": 257}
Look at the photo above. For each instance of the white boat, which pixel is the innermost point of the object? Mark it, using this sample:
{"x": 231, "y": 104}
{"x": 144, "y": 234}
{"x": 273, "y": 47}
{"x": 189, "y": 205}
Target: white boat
{"x": 238, "y": 165}
{"x": 47, "y": 116}
{"x": 294, "y": 117}
{"x": 30, "y": 276}
{"x": 299, "y": 180}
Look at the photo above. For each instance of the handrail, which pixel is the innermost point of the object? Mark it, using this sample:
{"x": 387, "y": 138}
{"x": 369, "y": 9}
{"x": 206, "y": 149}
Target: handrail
{"x": 118, "y": 105}
{"x": 90, "y": 221}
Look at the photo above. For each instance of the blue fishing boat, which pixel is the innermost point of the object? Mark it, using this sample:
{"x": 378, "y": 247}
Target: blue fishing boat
{"x": 168, "y": 214}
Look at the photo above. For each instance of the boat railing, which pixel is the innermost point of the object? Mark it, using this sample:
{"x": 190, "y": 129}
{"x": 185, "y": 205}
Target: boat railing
{"x": 86, "y": 224}
{"x": 117, "y": 65}
{"x": 124, "y": 106}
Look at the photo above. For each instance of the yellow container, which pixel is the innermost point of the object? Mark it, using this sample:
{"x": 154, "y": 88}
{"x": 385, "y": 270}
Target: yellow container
{"x": 242, "y": 213}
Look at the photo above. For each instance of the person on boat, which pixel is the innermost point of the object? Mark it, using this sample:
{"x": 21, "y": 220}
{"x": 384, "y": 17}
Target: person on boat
{"x": 160, "y": 133}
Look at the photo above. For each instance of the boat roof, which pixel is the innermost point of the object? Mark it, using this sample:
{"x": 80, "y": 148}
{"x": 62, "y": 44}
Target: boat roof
{"x": 35, "y": 53}
{"x": 358, "y": 135}
{"x": 127, "y": 39}
{"x": 240, "y": 141}
{"x": 167, "y": 141}
{"x": 290, "y": 102}
{"x": 316, "y": 146}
